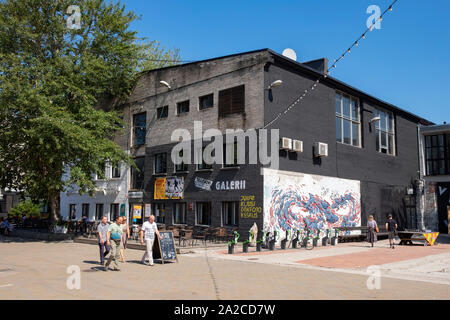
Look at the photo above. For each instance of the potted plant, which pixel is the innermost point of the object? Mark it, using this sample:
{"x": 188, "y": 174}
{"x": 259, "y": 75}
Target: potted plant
{"x": 232, "y": 243}
{"x": 285, "y": 240}
{"x": 272, "y": 241}
{"x": 260, "y": 242}
{"x": 245, "y": 245}
{"x": 334, "y": 240}
{"x": 316, "y": 240}
{"x": 325, "y": 239}
{"x": 295, "y": 240}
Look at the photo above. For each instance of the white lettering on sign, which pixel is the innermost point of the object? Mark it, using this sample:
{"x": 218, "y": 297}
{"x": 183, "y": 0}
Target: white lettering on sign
{"x": 442, "y": 190}
{"x": 230, "y": 185}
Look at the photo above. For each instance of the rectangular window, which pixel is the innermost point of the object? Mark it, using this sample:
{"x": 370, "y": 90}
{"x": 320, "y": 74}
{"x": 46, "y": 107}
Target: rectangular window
{"x": 182, "y": 167}
{"x": 101, "y": 174}
{"x": 159, "y": 210}
{"x": 203, "y": 213}
{"x": 385, "y": 131}
{"x": 183, "y": 107}
{"x": 162, "y": 112}
{"x": 234, "y": 160}
{"x": 202, "y": 165}
{"x": 72, "y": 211}
{"x": 206, "y": 102}
{"x": 114, "y": 211}
{"x": 230, "y": 213}
{"x": 437, "y": 154}
{"x": 160, "y": 163}
{"x": 232, "y": 101}
{"x": 85, "y": 210}
{"x": 99, "y": 211}
{"x": 179, "y": 213}
{"x": 137, "y": 174}
{"x": 348, "y": 124}
{"x": 139, "y": 128}
{"x": 115, "y": 171}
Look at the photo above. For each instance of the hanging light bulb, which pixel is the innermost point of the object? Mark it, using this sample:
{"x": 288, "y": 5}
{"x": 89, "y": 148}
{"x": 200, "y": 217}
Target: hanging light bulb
{"x": 364, "y": 36}
{"x": 390, "y": 8}
{"x": 348, "y": 50}
{"x": 356, "y": 43}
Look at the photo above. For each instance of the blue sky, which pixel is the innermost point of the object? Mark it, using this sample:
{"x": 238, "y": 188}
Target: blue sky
{"x": 405, "y": 63}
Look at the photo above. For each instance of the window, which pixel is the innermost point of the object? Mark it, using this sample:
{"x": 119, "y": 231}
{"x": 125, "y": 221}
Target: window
{"x": 115, "y": 171}
{"x": 206, "y": 102}
{"x": 202, "y": 165}
{"x": 437, "y": 154}
{"x": 182, "y": 167}
{"x": 114, "y": 211}
{"x": 179, "y": 213}
{"x": 385, "y": 132}
{"x": 203, "y": 213}
{"x": 72, "y": 211}
{"x": 232, "y": 101}
{"x": 160, "y": 163}
{"x": 160, "y": 212}
{"x": 183, "y": 107}
{"x": 234, "y": 160}
{"x": 101, "y": 174}
{"x": 99, "y": 211}
{"x": 162, "y": 112}
{"x": 139, "y": 128}
{"x": 85, "y": 210}
{"x": 137, "y": 174}
{"x": 230, "y": 213}
{"x": 348, "y": 123}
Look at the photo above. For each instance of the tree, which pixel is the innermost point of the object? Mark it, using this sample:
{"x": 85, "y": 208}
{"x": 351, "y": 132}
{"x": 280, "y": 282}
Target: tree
{"x": 59, "y": 84}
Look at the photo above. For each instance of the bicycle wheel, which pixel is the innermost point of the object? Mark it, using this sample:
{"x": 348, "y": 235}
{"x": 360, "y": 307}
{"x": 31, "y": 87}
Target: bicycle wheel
{"x": 309, "y": 244}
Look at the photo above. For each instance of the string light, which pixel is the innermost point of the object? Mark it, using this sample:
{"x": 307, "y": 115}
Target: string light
{"x": 335, "y": 61}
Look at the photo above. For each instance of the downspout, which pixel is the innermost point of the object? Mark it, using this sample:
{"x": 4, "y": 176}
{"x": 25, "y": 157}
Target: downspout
{"x": 420, "y": 189}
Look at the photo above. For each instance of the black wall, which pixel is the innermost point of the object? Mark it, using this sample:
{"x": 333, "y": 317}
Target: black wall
{"x": 384, "y": 178}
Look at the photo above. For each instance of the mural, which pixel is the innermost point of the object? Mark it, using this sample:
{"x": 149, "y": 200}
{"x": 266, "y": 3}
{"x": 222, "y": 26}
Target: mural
{"x": 295, "y": 201}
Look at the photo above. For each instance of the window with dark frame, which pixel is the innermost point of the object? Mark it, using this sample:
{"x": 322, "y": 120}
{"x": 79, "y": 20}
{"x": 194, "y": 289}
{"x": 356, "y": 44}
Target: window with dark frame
{"x": 115, "y": 171}
{"x": 99, "y": 211}
{"x": 202, "y": 165}
{"x": 182, "y": 107}
{"x": 234, "y": 162}
{"x": 179, "y": 216}
{"x": 162, "y": 112}
{"x": 182, "y": 167}
{"x": 232, "y": 101}
{"x": 385, "y": 132}
{"x": 85, "y": 210}
{"x": 139, "y": 128}
{"x": 203, "y": 213}
{"x": 160, "y": 163}
{"x": 206, "y": 102}
{"x": 114, "y": 213}
{"x": 137, "y": 174}
{"x": 72, "y": 211}
{"x": 437, "y": 154}
{"x": 348, "y": 122}
{"x": 159, "y": 210}
{"x": 230, "y": 213}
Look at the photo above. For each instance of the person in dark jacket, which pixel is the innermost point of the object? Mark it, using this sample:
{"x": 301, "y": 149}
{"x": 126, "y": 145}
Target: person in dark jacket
{"x": 391, "y": 228}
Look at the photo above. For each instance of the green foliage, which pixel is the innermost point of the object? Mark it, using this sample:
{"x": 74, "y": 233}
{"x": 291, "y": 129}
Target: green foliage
{"x": 60, "y": 88}
{"x": 27, "y": 208}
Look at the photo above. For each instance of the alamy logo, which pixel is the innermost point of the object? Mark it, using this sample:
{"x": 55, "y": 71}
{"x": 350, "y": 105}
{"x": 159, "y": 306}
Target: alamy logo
{"x": 374, "y": 280}
{"x": 73, "y": 281}
{"x": 374, "y": 20}
{"x": 74, "y": 19}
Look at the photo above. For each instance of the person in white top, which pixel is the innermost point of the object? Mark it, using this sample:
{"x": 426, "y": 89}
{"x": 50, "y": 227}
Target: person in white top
{"x": 148, "y": 230}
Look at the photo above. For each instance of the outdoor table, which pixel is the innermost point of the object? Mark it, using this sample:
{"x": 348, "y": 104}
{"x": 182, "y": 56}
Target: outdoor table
{"x": 406, "y": 237}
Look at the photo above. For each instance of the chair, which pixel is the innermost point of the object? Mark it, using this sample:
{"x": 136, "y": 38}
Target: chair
{"x": 187, "y": 237}
{"x": 176, "y": 233}
{"x": 201, "y": 235}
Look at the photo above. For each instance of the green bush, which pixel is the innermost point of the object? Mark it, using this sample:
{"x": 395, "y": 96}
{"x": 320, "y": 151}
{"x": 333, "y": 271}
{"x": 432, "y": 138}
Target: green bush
{"x": 27, "y": 208}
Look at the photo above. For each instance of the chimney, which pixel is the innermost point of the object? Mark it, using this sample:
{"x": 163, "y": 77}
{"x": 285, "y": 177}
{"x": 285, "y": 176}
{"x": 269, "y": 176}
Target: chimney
{"x": 320, "y": 65}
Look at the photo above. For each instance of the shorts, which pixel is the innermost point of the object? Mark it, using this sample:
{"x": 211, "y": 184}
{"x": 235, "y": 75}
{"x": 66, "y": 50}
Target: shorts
{"x": 391, "y": 235}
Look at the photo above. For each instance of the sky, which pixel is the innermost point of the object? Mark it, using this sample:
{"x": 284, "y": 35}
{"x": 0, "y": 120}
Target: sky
{"x": 405, "y": 63}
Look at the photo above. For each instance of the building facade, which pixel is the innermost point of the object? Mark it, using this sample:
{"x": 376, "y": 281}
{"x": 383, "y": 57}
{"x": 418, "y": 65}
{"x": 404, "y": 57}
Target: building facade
{"x": 343, "y": 154}
{"x": 433, "y": 202}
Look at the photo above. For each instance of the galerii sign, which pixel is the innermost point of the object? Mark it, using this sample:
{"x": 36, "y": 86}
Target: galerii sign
{"x": 230, "y": 185}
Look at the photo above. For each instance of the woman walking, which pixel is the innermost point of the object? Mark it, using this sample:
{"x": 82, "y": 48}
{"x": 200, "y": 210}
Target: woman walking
{"x": 372, "y": 232}
{"x": 125, "y": 236}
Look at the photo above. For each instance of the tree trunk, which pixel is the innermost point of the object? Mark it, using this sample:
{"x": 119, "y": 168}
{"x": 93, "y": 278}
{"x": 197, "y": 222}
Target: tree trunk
{"x": 53, "y": 203}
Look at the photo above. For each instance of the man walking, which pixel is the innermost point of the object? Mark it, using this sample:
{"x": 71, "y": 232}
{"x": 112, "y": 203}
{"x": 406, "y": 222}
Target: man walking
{"x": 102, "y": 230}
{"x": 149, "y": 228}
{"x": 114, "y": 237}
{"x": 391, "y": 227}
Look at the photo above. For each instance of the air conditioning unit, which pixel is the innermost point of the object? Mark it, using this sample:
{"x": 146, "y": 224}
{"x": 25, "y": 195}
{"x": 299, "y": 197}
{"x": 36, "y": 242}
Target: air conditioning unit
{"x": 320, "y": 149}
{"x": 297, "y": 146}
{"x": 286, "y": 143}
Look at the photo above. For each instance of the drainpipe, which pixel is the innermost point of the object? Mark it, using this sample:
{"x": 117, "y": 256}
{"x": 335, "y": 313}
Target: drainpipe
{"x": 420, "y": 188}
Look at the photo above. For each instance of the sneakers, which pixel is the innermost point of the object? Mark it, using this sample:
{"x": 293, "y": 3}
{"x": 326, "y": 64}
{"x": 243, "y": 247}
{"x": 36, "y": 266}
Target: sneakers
{"x": 151, "y": 264}
{"x": 116, "y": 269}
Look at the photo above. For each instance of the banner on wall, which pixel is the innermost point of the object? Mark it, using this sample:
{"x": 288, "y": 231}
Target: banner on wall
{"x": 123, "y": 210}
{"x": 148, "y": 210}
{"x": 169, "y": 188}
{"x": 137, "y": 211}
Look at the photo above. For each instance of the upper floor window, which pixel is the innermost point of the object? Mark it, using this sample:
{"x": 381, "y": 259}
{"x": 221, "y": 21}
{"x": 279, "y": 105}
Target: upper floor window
{"x": 160, "y": 163}
{"x": 183, "y": 107}
{"x": 437, "y": 154}
{"x": 206, "y": 102}
{"x": 232, "y": 149}
{"x": 162, "y": 112}
{"x": 139, "y": 128}
{"x": 115, "y": 171}
{"x": 137, "y": 174}
{"x": 182, "y": 167}
{"x": 232, "y": 101}
{"x": 385, "y": 132}
{"x": 348, "y": 121}
{"x": 202, "y": 165}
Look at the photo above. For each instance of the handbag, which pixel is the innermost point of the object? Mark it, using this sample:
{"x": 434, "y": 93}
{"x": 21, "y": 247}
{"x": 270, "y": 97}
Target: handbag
{"x": 376, "y": 229}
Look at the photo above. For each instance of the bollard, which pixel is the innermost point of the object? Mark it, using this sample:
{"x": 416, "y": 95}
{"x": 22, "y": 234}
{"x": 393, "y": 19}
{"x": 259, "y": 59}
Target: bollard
{"x": 245, "y": 248}
{"x": 294, "y": 243}
{"x": 272, "y": 245}
{"x": 258, "y": 247}
{"x": 324, "y": 242}
{"x": 315, "y": 242}
{"x": 334, "y": 241}
{"x": 230, "y": 248}
{"x": 283, "y": 244}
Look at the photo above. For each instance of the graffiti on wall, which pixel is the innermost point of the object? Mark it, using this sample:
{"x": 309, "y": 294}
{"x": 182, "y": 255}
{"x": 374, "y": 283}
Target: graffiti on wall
{"x": 294, "y": 201}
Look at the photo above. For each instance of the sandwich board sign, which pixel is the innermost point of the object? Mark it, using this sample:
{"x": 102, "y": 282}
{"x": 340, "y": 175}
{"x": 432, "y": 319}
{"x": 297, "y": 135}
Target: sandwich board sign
{"x": 164, "y": 249}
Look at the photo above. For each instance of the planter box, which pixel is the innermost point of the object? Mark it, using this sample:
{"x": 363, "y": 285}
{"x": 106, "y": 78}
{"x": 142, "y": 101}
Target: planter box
{"x": 245, "y": 248}
{"x": 272, "y": 245}
{"x": 230, "y": 249}
{"x": 283, "y": 244}
{"x": 258, "y": 247}
{"x": 294, "y": 243}
{"x": 324, "y": 242}
{"x": 334, "y": 241}
{"x": 315, "y": 242}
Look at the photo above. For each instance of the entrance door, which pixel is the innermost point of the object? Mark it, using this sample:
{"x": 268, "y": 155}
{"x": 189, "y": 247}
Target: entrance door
{"x": 443, "y": 192}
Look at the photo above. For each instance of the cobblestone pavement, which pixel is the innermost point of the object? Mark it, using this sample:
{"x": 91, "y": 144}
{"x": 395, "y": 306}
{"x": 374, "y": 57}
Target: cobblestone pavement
{"x": 38, "y": 270}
